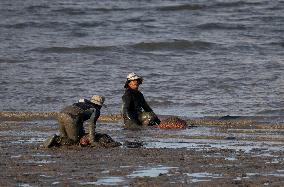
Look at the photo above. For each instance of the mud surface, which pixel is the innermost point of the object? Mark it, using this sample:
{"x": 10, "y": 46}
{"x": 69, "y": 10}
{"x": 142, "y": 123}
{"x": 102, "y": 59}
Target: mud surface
{"x": 204, "y": 155}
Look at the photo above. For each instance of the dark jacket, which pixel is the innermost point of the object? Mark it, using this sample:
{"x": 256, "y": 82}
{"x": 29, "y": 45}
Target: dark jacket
{"x": 83, "y": 110}
{"x": 133, "y": 103}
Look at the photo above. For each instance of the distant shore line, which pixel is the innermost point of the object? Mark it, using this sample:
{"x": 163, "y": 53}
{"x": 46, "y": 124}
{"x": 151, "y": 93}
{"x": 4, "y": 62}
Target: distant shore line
{"x": 236, "y": 122}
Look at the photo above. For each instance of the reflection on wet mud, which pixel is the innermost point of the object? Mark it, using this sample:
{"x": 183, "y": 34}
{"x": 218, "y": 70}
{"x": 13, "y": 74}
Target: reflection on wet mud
{"x": 16, "y": 156}
{"x": 151, "y": 172}
{"x": 205, "y": 144}
{"x": 39, "y": 161}
{"x": 205, "y": 176}
{"x": 105, "y": 181}
{"x": 25, "y": 185}
{"x": 230, "y": 158}
{"x": 265, "y": 174}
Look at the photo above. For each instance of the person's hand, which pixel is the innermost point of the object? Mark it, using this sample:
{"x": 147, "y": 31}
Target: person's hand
{"x": 155, "y": 119}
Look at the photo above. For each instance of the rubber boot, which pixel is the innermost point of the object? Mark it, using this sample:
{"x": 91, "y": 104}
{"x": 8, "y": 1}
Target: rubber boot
{"x": 49, "y": 142}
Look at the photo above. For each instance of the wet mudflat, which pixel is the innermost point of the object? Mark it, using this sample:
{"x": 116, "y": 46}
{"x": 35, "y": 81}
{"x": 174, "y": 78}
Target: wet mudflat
{"x": 204, "y": 155}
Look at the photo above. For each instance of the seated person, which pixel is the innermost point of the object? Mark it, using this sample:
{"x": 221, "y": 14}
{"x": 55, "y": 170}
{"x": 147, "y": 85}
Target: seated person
{"x": 135, "y": 110}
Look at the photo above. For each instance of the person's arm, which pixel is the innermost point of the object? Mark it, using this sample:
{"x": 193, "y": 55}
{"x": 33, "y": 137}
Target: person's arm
{"x": 145, "y": 105}
{"x": 147, "y": 108}
{"x": 92, "y": 125}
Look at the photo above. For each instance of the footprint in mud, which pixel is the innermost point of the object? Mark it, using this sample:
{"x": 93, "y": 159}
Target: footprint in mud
{"x": 230, "y": 138}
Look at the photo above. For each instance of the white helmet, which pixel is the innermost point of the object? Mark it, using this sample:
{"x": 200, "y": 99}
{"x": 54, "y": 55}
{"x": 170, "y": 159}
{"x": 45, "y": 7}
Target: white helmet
{"x": 133, "y": 76}
{"x": 99, "y": 100}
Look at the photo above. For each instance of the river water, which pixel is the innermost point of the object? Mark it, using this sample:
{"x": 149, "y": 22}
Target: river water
{"x": 197, "y": 57}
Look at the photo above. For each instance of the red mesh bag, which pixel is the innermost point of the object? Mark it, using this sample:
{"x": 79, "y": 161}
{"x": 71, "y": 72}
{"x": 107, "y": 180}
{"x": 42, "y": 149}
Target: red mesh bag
{"x": 172, "y": 123}
{"x": 84, "y": 141}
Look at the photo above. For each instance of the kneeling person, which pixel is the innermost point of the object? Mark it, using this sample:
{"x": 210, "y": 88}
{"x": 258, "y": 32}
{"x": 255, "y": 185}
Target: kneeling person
{"x": 71, "y": 120}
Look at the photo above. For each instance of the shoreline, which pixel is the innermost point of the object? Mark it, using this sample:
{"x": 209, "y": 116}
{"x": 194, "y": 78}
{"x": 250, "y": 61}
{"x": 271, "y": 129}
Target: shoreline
{"x": 256, "y": 122}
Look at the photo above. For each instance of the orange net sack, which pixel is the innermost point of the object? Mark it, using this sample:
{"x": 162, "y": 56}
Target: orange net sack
{"x": 84, "y": 141}
{"x": 172, "y": 123}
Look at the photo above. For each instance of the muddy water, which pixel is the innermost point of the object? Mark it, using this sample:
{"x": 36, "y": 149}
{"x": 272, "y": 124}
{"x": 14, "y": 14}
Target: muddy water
{"x": 208, "y": 57}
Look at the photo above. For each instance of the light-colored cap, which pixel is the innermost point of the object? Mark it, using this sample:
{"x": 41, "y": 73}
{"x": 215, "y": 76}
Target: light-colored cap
{"x": 98, "y": 100}
{"x": 81, "y": 100}
{"x": 133, "y": 76}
